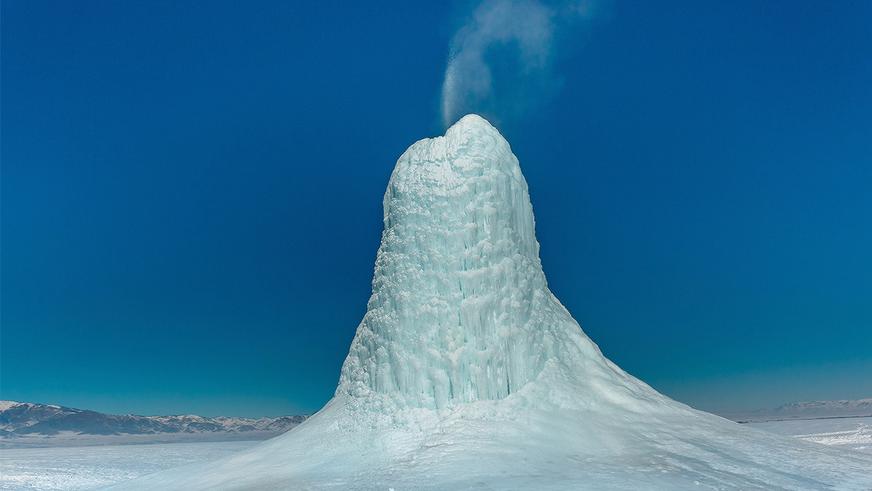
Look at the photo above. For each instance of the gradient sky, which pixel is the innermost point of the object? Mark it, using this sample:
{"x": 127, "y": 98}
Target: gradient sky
{"x": 191, "y": 194}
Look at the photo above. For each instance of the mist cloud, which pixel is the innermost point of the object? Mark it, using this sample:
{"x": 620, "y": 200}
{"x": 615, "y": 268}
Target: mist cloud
{"x": 500, "y": 60}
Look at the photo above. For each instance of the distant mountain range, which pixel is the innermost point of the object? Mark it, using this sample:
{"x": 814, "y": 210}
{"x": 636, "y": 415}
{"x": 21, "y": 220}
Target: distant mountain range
{"x": 825, "y": 409}
{"x": 808, "y": 410}
{"x": 24, "y": 419}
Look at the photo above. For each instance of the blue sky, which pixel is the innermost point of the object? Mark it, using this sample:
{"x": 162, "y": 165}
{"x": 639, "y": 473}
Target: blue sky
{"x": 191, "y": 194}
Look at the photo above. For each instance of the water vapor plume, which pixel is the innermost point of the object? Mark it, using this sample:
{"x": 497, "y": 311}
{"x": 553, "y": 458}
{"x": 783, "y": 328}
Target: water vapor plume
{"x": 500, "y": 61}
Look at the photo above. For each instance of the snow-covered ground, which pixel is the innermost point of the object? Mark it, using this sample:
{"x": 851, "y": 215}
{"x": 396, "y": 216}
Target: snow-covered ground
{"x": 92, "y": 467}
{"x": 81, "y": 468}
{"x": 850, "y": 433}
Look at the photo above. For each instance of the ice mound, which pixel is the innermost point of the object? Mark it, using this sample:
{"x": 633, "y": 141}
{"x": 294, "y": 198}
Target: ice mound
{"x": 460, "y": 309}
{"x": 466, "y": 372}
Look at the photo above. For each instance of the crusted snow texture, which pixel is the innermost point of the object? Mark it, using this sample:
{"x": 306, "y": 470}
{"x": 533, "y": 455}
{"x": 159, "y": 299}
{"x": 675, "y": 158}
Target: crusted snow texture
{"x": 467, "y": 373}
{"x": 460, "y": 310}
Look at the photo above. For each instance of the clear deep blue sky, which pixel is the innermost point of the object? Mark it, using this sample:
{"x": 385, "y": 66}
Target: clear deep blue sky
{"x": 191, "y": 194}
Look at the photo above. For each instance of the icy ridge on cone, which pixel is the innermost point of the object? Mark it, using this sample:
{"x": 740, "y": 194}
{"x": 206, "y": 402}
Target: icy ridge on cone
{"x": 460, "y": 309}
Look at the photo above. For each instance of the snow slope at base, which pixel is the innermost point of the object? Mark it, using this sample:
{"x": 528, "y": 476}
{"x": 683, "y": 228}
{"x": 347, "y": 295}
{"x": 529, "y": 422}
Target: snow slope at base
{"x": 88, "y": 468}
{"x": 506, "y": 445}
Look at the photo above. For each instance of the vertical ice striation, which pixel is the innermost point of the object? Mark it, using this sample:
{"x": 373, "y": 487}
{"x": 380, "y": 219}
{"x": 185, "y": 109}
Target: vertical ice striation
{"x": 460, "y": 309}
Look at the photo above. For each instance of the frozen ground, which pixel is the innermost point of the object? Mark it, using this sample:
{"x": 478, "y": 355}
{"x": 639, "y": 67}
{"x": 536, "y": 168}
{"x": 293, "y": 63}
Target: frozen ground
{"x": 92, "y": 467}
{"x": 850, "y": 433}
{"x": 81, "y": 468}
{"x": 69, "y": 439}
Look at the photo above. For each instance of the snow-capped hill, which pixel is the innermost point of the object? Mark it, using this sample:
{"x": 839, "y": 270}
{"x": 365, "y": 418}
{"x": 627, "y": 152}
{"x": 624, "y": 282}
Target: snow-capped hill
{"x": 804, "y": 410}
{"x": 24, "y": 418}
{"x": 4, "y": 405}
{"x": 824, "y": 409}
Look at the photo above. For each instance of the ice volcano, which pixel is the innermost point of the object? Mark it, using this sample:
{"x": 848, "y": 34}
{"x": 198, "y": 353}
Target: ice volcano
{"x": 466, "y": 372}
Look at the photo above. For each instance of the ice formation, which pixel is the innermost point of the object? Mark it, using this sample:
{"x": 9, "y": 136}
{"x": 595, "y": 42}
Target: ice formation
{"x": 460, "y": 310}
{"x": 466, "y": 372}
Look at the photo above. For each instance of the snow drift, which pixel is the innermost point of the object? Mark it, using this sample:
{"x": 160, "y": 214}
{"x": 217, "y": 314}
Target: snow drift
{"x": 466, "y": 372}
